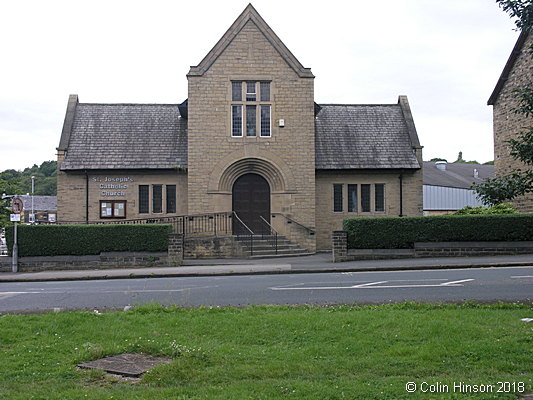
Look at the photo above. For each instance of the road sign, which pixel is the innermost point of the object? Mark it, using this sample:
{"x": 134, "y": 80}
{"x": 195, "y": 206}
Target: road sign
{"x": 14, "y": 217}
{"x": 18, "y": 205}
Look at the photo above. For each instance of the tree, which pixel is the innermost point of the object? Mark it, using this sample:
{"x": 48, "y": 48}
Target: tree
{"x": 16, "y": 182}
{"x": 461, "y": 160}
{"x": 519, "y": 181}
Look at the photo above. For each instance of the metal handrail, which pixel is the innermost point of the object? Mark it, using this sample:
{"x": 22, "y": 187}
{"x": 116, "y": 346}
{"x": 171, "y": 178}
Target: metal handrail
{"x": 242, "y": 223}
{"x": 311, "y": 230}
{"x": 251, "y": 235}
{"x": 273, "y": 233}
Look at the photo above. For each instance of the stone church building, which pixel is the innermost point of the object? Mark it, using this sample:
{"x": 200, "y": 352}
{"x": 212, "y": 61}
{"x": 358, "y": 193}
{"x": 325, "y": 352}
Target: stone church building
{"x": 249, "y": 139}
{"x": 517, "y": 73}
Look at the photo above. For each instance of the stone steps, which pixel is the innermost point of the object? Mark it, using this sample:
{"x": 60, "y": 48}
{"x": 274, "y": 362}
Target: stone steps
{"x": 264, "y": 247}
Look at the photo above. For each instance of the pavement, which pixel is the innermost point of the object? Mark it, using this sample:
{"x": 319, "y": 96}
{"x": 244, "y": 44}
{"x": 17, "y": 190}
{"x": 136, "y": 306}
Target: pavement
{"x": 316, "y": 263}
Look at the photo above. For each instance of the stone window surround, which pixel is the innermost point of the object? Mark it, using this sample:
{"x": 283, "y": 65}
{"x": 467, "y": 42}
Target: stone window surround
{"x": 164, "y": 200}
{"x": 258, "y": 80}
{"x": 358, "y": 208}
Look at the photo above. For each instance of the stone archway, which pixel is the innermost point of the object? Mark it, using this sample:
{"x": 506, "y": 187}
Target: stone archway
{"x": 275, "y": 178}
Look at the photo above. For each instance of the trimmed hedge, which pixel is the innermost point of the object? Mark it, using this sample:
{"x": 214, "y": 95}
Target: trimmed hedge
{"x": 398, "y": 233}
{"x": 77, "y": 240}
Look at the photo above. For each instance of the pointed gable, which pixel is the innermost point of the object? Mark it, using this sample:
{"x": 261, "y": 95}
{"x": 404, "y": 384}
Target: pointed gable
{"x": 517, "y": 50}
{"x": 250, "y": 14}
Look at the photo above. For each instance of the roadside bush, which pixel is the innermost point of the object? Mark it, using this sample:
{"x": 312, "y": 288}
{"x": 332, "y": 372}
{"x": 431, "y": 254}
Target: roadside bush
{"x": 397, "y": 233}
{"x": 503, "y": 208}
{"x": 54, "y": 240}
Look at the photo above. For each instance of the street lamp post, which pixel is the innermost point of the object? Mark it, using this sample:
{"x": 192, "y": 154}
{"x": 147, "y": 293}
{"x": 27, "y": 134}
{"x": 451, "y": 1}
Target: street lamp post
{"x": 32, "y": 193}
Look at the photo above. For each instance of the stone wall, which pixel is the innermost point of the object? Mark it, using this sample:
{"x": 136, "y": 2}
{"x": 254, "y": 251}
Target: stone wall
{"x": 100, "y": 261}
{"x": 507, "y": 123}
{"x": 466, "y": 249}
{"x": 72, "y": 189}
{"x": 286, "y": 159}
{"x": 175, "y": 249}
{"x": 173, "y": 258}
{"x": 212, "y": 247}
{"x": 327, "y": 220}
{"x": 341, "y": 253}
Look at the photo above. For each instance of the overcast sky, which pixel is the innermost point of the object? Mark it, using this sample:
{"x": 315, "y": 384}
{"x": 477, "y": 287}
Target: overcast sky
{"x": 446, "y": 56}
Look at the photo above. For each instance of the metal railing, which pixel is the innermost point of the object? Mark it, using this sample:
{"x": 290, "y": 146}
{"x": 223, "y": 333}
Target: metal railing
{"x": 311, "y": 231}
{"x": 241, "y": 230}
{"x": 215, "y": 224}
{"x": 272, "y": 235}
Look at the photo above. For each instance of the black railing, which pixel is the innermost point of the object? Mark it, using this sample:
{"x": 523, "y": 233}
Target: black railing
{"x": 215, "y": 224}
{"x": 310, "y": 231}
{"x": 271, "y": 234}
{"x": 241, "y": 230}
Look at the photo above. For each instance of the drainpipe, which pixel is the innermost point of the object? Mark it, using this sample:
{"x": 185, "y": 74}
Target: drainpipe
{"x": 401, "y": 195}
{"x": 86, "y": 197}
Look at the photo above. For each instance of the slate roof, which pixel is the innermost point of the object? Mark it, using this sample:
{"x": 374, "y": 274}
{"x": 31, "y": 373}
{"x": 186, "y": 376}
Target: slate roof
{"x": 126, "y": 136}
{"x": 363, "y": 137}
{"x": 456, "y": 175}
{"x": 154, "y": 136}
{"x": 40, "y": 203}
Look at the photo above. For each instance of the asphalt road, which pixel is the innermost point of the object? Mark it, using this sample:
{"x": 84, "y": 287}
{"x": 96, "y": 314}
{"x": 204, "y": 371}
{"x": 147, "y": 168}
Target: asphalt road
{"x": 485, "y": 284}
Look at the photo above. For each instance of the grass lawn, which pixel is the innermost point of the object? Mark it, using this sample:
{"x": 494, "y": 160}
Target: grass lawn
{"x": 338, "y": 352}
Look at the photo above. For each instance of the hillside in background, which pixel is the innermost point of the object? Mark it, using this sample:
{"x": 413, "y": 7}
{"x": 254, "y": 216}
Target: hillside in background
{"x": 19, "y": 182}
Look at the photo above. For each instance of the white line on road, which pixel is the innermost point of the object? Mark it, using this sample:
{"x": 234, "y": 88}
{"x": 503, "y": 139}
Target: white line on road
{"x": 378, "y": 285}
{"x": 125, "y": 291}
{"x": 522, "y": 277}
{"x": 455, "y": 283}
{"x": 363, "y": 285}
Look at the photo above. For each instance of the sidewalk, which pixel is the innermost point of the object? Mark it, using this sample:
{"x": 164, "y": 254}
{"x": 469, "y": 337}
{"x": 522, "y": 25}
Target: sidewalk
{"x": 286, "y": 265}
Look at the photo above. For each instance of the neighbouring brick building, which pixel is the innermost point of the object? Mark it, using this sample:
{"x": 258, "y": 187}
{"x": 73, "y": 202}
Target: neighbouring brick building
{"x": 517, "y": 73}
{"x": 249, "y": 138}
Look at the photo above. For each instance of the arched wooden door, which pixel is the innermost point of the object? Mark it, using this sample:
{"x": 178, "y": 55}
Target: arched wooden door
{"x": 251, "y": 200}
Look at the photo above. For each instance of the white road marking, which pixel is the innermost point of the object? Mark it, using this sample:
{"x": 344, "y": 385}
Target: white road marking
{"x": 380, "y": 285}
{"x": 125, "y": 291}
{"x": 522, "y": 277}
{"x": 455, "y": 283}
{"x": 407, "y": 271}
{"x": 363, "y": 285}
{"x": 15, "y": 293}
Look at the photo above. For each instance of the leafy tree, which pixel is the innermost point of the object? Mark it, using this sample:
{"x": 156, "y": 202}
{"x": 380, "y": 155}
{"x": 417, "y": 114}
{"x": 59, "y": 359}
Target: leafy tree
{"x": 503, "y": 208}
{"x": 19, "y": 182}
{"x": 438, "y": 159}
{"x": 462, "y": 161}
{"x": 519, "y": 181}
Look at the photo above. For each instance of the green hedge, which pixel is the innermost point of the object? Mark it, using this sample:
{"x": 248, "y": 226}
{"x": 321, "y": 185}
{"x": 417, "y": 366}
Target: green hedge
{"x": 55, "y": 240}
{"x": 398, "y": 233}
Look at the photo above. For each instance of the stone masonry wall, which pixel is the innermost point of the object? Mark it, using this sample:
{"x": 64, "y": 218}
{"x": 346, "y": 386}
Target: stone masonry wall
{"x": 290, "y": 149}
{"x": 212, "y": 247}
{"x": 101, "y": 261}
{"x": 340, "y": 252}
{"x": 328, "y": 220}
{"x": 71, "y": 192}
{"x": 507, "y": 123}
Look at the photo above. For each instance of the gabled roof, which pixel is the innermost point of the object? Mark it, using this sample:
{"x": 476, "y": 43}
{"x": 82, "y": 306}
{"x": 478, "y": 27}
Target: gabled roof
{"x": 250, "y": 14}
{"x": 361, "y": 136}
{"x": 124, "y": 136}
{"x": 508, "y": 67}
{"x": 456, "y": 175}
{"x": 40, "y": 203}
